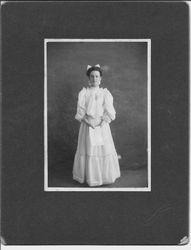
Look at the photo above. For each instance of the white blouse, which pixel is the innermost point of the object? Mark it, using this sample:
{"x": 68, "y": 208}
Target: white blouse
{"x": 95, "y": 103}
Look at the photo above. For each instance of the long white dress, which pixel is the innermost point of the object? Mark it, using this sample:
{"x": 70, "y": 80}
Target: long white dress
{"x": 96, "y": 161}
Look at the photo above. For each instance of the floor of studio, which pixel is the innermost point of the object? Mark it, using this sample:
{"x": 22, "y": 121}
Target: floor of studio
{"x": 137, "y": 178}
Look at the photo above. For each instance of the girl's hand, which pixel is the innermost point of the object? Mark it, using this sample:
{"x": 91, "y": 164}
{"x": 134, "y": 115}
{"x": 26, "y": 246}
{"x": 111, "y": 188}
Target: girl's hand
{"x": 90, "y": 125}
{"x": 103, "y": 123}
{"x": 100, "y": 124}
{"x": 85, "y": 120}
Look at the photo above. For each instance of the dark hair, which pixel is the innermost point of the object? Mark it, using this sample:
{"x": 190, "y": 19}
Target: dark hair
{"x": 88, "y": 72}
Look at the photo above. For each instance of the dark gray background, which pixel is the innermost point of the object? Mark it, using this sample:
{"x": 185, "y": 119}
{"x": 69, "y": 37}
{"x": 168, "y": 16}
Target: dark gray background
{"x": 124, "y": 74}
{"x": 32, "y": 216}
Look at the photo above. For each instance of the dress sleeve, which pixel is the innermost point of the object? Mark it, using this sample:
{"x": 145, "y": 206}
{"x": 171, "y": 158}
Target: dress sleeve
{"x": 109, "y": 111}
{"x": 81, "y": 109}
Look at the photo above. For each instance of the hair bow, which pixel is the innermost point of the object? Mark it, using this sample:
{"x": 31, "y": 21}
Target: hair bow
{"x": 89, "y": 66}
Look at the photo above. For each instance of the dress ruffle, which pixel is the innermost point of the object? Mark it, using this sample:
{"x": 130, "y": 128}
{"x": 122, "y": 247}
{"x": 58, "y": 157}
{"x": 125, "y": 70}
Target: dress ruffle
{"x": 96, "y": 170}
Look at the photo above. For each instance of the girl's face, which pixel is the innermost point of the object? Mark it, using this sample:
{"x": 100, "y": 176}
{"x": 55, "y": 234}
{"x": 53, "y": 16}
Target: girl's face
{"x": 95, "y": 78}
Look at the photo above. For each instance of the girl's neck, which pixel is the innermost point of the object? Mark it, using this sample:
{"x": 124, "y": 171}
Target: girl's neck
{"x": 94, "y": 87}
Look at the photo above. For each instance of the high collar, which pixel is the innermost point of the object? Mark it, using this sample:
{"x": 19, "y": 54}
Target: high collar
{"x": 94, "y": 90}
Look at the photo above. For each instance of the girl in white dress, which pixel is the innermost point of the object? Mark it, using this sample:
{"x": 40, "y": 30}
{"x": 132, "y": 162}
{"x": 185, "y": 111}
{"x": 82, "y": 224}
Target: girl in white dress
{"x": 96, "y": 161}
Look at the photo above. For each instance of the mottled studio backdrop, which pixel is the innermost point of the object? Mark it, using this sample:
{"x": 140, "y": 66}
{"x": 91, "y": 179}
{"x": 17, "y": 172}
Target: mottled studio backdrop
{"x": 125, "y": 75}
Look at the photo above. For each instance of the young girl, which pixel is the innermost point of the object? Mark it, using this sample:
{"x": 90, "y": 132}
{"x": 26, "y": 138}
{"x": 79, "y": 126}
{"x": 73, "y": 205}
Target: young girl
{"x": 96, "y": 160}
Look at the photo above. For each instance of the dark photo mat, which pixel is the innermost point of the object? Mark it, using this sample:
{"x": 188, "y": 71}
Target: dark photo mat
{"x": 32, "y": 216}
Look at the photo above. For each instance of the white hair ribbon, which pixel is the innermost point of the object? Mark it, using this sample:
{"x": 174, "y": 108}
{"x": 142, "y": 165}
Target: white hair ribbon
{"x": 89, "y": 66}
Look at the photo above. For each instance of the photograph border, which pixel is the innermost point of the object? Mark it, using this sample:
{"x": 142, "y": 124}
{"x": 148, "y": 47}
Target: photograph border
{"x": 97, "y": 189}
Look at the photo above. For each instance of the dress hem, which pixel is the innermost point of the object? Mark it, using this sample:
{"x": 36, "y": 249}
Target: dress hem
{"x": 94, "y": 183}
